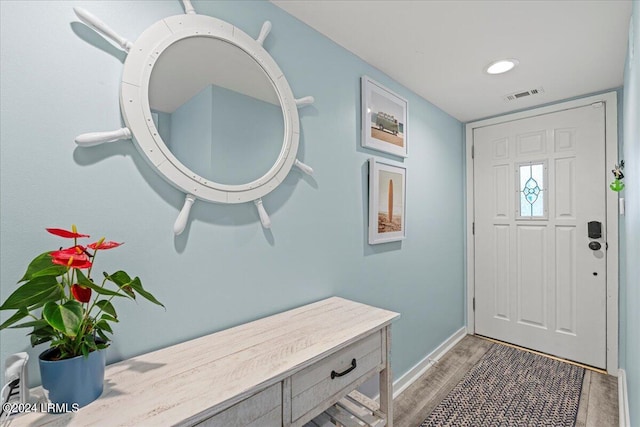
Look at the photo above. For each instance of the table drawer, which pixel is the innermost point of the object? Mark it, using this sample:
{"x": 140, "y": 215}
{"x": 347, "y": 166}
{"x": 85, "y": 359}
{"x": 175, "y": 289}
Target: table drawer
{"x": 263, "y": 409}
{"x": 313, "y": 386}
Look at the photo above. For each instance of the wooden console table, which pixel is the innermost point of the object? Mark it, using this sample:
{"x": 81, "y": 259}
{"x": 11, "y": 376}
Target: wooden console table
{"x": 282, "y": 370}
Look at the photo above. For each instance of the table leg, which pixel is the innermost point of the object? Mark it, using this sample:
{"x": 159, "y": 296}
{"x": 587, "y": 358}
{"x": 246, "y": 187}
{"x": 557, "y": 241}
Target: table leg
{"x": 386, "y": 379}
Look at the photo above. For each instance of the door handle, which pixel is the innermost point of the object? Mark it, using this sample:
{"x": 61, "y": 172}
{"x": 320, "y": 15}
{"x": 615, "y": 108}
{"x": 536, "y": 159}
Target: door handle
{"x": 595, "y": 246}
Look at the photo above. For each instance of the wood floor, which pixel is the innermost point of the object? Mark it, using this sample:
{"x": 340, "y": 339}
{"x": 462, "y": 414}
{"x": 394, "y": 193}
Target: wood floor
{"x": 598, "y": 402}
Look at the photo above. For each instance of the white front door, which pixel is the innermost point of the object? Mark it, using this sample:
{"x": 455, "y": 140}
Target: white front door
{"x": 540, "y": 270}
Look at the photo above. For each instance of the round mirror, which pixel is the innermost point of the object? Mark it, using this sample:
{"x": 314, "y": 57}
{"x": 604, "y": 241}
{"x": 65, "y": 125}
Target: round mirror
{"x": 210, "y": 109}
{"x": 216, "y": 110}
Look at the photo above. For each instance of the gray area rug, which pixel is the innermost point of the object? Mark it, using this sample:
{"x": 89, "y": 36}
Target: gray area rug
{"x": 511, "y": 387}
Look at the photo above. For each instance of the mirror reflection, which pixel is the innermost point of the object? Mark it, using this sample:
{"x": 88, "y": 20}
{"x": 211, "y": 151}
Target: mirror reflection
{"x": 216, "y": 110}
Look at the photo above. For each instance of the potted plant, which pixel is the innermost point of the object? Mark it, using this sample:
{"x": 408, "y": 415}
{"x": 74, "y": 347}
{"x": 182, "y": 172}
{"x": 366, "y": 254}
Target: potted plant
{"x": 64, "y": 306}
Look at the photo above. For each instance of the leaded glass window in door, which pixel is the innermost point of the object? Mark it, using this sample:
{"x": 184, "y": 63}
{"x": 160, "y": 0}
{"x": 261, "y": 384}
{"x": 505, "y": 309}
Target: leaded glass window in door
{"x": 532, "y": 190}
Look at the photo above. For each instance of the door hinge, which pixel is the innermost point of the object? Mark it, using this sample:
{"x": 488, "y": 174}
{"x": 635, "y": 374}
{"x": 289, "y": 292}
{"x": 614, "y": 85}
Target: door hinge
{"x": 473, "y": 228}
{"x": 474, "y": 303}
{"x": 473, "y": 151}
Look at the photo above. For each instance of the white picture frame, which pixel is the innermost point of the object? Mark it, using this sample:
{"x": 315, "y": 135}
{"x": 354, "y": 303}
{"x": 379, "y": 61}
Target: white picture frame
{"x": 387, "y": 202}
{"x": 384, "y": 119}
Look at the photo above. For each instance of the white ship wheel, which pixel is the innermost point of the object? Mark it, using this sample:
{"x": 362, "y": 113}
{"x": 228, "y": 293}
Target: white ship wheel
{"x": 142, "y": 56}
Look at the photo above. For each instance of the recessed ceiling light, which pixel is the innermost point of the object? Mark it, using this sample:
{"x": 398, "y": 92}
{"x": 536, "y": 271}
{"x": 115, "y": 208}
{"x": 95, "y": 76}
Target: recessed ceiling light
{"x": 501, "y": 66}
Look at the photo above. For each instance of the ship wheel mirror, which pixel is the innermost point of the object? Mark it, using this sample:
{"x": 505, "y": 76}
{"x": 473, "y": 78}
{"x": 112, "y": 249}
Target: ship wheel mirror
{"x": 208, "y": 108}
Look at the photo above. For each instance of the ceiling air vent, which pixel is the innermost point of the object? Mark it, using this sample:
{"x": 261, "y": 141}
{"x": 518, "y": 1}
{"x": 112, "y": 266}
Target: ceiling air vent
{"x": 523, "y": 94}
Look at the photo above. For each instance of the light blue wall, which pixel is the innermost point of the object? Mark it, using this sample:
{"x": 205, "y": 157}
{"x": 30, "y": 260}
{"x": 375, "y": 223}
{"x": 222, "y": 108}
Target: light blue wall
{"x": 632, "y": 217}
{"x": 58, "y": 79}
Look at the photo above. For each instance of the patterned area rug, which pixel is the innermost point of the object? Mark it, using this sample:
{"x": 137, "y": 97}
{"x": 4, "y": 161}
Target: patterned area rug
{"x": 511, "y": 387}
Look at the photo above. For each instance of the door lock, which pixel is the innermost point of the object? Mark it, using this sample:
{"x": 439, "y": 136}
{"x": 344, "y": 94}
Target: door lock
{"x": 595, "y": 246}
{"x": 594, "y": 229}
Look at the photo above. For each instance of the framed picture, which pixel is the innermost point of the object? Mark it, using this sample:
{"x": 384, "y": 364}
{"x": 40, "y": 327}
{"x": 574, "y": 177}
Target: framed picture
{"x": 387, "y": 202}
{"x": 384, "y": 119}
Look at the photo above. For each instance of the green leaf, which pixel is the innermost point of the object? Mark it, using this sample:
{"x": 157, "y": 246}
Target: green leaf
{"x": 107, "y": 307}
{"x": 41, "y": 335}
{"x": 45, "y": 330}
{"x": 120, "y": 278}
{"x": 123, "y": 281}
{"x": 104, "y": 338}
{"x": 137, "y": 286}
{"x": 19, "y": 315}
{"x": 36, "y": 324}
{"x": 35, "y": 340}
{"x": 57, "y": 294}
{"x": 66, "y": 318}
{"x": 102, "y": 325}
{"x": 32, "y": 292}
{"x": 108, "y": 318}
{"x": 42, "y": 265}
{"x": 87, "y": 283}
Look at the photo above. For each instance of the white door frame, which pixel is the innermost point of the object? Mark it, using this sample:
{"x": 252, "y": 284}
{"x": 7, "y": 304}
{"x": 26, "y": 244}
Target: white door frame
{"x": 611, "y": 136}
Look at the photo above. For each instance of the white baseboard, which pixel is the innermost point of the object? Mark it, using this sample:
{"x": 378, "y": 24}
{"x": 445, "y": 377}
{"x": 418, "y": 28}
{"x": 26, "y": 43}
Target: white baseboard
{"x": 421, "y": 367}
{"x": 623, "y": 399}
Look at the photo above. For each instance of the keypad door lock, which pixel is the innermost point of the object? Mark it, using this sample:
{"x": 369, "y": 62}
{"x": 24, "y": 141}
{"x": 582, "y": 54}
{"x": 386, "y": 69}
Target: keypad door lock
{"x": 594, "y": 229}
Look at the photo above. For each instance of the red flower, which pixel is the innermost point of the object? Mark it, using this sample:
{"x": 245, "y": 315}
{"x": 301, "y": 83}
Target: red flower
{"x": 80, "y": 293}
{"x": 73, "y": 257}
{"x": 64, "y": 233}
{"x": 101, "y": 244}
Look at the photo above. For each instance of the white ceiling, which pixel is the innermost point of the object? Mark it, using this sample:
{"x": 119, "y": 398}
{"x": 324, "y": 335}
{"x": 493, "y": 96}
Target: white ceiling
{"x": 438, "y": 49}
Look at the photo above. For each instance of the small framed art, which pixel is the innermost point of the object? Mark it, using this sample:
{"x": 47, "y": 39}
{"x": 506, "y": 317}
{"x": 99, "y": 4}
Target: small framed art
{"x": 387, "y": 202}
{"x": 384, "y": 119}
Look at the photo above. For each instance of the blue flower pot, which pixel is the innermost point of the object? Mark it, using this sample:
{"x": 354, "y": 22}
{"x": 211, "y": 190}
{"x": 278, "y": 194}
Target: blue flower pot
{"x": 72, "y": 383}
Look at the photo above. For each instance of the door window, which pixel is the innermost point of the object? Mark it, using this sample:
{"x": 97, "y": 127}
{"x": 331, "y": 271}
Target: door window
{"x": 531, "y": 186}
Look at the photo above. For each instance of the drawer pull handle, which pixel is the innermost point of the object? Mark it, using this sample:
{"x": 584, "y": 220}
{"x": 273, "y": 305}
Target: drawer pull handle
{"x": 335, "y": 374}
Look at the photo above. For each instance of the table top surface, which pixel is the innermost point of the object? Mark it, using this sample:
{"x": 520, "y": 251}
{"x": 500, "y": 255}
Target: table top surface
{"x": 208, "y": 374}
